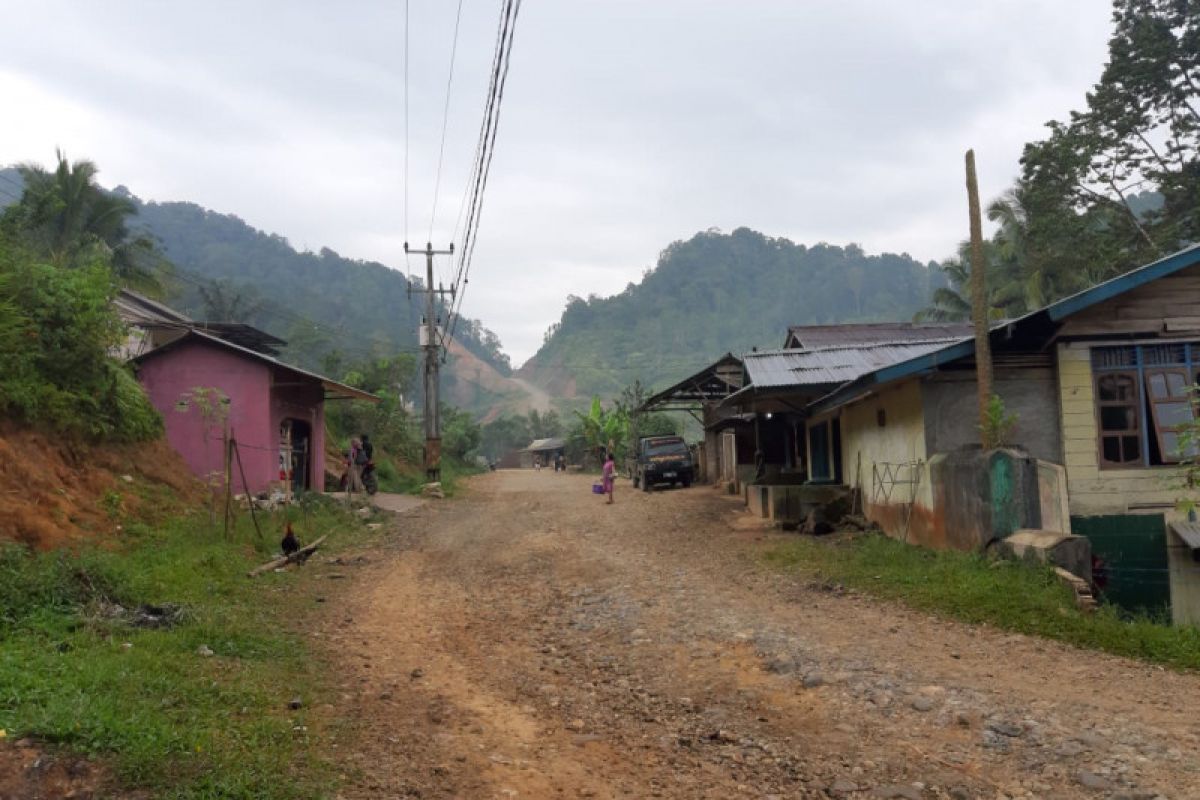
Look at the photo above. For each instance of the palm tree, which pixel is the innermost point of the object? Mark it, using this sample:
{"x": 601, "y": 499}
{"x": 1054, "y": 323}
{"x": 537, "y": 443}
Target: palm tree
{"x": 72, "y": 221}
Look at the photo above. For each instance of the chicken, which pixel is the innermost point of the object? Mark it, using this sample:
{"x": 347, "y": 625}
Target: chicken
{"x": 289, "y": 543}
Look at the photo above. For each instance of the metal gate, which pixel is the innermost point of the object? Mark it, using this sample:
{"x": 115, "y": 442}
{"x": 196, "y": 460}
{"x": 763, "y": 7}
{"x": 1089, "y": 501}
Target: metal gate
{"x": 1129, "y": 559}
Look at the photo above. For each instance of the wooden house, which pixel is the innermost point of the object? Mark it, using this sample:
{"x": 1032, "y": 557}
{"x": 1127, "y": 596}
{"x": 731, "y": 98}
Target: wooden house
{"x": 1100, "y": 383}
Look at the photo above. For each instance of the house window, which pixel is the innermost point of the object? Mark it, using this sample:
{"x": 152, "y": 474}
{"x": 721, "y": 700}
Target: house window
{"x": 1143, "y": 402}
{"x": 1117, "y": 403}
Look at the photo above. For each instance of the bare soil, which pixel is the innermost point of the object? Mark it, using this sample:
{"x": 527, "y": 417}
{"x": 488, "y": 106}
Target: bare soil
{"x": 55, "y": 493}
{"x": 31, "y": 772}
{"x": 526, "y": 640}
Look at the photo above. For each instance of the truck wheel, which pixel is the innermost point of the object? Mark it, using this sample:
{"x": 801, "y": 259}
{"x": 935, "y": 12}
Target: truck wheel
{"x": 687, "y": 484}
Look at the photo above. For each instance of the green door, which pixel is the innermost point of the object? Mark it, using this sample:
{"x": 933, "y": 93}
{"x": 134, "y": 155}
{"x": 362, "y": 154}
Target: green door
{"x": 1129, "y": 552}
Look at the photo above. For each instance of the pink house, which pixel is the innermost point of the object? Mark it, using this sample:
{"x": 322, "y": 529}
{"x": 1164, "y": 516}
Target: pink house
{"x": 200, "y": 382}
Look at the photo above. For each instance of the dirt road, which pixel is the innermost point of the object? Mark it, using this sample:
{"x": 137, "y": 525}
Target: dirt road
{"x": 525, "y": 640}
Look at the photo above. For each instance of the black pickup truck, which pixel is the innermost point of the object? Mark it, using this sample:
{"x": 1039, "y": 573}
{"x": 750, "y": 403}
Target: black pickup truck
{"x": 661, "y": 459}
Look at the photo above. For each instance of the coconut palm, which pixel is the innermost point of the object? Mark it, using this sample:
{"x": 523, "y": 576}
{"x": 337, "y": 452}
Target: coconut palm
{"x": 72, "y": 221}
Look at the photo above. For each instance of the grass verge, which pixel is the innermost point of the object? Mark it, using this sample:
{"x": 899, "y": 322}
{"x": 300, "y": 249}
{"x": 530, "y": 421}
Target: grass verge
{"x": 412, "y": 480}
{"x": 76, "y": 672}
{"x": 1011, "y": 595}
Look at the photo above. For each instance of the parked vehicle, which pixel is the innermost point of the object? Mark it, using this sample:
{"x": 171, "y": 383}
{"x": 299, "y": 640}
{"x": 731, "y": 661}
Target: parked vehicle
{"x": 661, "y": 459}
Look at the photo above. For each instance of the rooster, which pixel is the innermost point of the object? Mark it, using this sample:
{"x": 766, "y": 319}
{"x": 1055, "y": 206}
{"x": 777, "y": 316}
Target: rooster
{"x": 289, "y": 544}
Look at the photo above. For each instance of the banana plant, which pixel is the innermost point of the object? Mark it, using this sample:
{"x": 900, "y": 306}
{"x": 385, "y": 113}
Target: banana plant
{"x": 603, "y": 430}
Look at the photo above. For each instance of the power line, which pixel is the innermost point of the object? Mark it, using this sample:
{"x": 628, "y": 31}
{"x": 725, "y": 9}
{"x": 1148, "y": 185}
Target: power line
{"x": 445, "y": 120}
{"x": 488, "y": 133}
{"x": 406, "y": 120}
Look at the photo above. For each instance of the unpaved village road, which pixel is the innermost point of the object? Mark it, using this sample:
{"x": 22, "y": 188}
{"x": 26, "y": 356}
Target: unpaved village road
{"x": 526, "y": 641}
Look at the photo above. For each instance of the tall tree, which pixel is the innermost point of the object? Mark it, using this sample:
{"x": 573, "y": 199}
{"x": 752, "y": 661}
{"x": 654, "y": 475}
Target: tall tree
{"x": 1140, "y": 131}
{"x": 69, "y": 219}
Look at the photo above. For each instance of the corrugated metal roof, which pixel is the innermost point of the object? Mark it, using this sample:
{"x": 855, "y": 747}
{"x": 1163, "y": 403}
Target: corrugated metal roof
{"x": 831, "y": 365}
{"x": 1051, "y": 314}
{"x": 137, "y": 309}
{"x": 332, "y": 388}
{"x": 545, "y": 444}
{"x": 813, "y": 337}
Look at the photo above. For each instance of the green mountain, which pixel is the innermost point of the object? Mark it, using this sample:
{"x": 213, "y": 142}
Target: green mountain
{"x": 719, "y": 292}
{"x": 319, "y": 302}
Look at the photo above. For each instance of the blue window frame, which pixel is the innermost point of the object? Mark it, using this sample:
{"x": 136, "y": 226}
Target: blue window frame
{"x": 1142, "y": 400}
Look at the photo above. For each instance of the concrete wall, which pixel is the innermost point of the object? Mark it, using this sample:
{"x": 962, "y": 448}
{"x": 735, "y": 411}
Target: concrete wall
{"x": 952, "y": 417}
{"x": 901, "y": 439}
{"x": 170, "y": 377}
{"x": 983, "y": 496}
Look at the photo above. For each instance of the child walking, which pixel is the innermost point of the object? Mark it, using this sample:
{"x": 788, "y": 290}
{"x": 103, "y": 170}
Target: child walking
{"x": 609, "y": 475}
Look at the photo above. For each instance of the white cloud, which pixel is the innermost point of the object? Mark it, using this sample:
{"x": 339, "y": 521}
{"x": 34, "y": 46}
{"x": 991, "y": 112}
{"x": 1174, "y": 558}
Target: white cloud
{"x": 626, "y": 124}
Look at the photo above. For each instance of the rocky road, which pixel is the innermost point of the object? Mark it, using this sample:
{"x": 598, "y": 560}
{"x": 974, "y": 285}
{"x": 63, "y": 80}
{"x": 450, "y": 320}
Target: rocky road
{"x": 527, "y": 641}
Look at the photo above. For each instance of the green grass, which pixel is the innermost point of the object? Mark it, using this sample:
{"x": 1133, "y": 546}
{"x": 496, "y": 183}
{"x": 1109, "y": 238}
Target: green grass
{"x": 411, "y": 481}
{"x": 1011, "y": 595}
{"x": 166, "y": 718}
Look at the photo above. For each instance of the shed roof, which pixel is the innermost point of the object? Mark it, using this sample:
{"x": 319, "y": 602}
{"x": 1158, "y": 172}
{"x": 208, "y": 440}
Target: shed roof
{"x": 715, "y": 382}
{"x": 1036, "y": 325}
{"x": 828, "y": 365}
{"x": 540, "y": 445}
{"x": 245, "y": 335}
{"x": 812, "y": 337}
{"x": 138, "y": 309}
{"x": 334, "y": 390}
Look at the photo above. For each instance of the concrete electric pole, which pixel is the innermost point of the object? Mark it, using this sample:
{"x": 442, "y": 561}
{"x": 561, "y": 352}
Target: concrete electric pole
{"x": 431, "y": 345}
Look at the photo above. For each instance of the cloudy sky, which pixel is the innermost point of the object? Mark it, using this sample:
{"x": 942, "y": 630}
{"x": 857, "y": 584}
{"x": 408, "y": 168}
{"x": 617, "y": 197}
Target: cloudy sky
{"x": 626, "y": 124}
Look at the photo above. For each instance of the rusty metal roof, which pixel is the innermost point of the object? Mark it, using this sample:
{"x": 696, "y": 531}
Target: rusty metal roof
{"x": 831, "y": 365}
{"x": 814, "y": 337}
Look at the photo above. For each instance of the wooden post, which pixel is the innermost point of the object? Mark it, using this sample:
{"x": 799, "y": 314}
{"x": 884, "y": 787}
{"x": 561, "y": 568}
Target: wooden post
{"x": 228, "y": 480}
{"x": 245, "y": 486}
{"x": 979, "y": 304}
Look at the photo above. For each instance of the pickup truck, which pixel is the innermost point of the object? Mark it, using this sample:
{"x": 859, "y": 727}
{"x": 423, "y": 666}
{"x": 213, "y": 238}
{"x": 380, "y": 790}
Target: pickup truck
{"x": 661, "y": 459}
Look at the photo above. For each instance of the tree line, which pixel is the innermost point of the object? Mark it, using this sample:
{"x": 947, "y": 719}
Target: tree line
{"x": 1114, "y": 186}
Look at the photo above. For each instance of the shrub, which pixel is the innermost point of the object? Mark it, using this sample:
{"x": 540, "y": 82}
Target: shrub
{"x": 57, "y": 328}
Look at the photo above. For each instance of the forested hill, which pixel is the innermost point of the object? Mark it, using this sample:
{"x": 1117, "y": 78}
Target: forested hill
{"x": 319, "y": 302}
{"x": 719, "y": 292}
{"x": 355, "y": 304}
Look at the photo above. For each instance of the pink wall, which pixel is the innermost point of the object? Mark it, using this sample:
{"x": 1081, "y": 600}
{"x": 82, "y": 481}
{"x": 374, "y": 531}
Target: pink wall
{"x": 254, "y": 414}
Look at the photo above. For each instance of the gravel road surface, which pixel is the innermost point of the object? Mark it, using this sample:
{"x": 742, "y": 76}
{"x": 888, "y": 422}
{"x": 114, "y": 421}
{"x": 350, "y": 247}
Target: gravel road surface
{"x": 526, "y": 641}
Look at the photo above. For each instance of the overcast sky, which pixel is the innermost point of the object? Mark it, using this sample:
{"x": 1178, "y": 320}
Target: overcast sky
{"x": 627, "y": 124}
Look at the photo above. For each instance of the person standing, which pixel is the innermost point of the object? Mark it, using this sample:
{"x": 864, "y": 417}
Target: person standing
{"x": 354, "y": 468}
{"x": 609, "y": 476}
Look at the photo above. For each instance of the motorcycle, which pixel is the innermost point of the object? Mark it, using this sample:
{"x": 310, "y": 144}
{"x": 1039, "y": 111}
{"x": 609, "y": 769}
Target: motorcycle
{"x": 369, "y": 480}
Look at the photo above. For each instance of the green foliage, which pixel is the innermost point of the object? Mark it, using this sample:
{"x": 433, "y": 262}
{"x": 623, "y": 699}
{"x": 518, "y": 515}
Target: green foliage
{"x": 57, "y": 373}
{"x": 998, "y": 424}
{"x": 169, "y": 720}
{"x": 603, "y": 431}
{"x": 1007, "y": 594}
{"x": 1114, "y": 187}
{"x": 1118, "y": 184}
{"x": 68, "y": 220}
{"x": 332, "y": 303}
{"x": 720, "y": 292}
{"x": 512, "y": 432}
{"x": 392, "y": 429}
{"x": 460, "y": 434}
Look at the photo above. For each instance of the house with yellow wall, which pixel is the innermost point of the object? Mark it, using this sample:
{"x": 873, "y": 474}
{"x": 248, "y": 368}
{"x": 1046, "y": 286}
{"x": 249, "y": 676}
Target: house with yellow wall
{"x": 1100, "y": 384}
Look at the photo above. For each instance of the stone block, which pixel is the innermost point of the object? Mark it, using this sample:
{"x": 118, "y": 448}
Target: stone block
{"x": 1072, "y": 553}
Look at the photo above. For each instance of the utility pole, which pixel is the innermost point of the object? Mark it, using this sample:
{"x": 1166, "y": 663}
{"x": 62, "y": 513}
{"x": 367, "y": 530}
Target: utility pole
{"x": 431, "y": 344}
{"x": 979, "y": 305}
